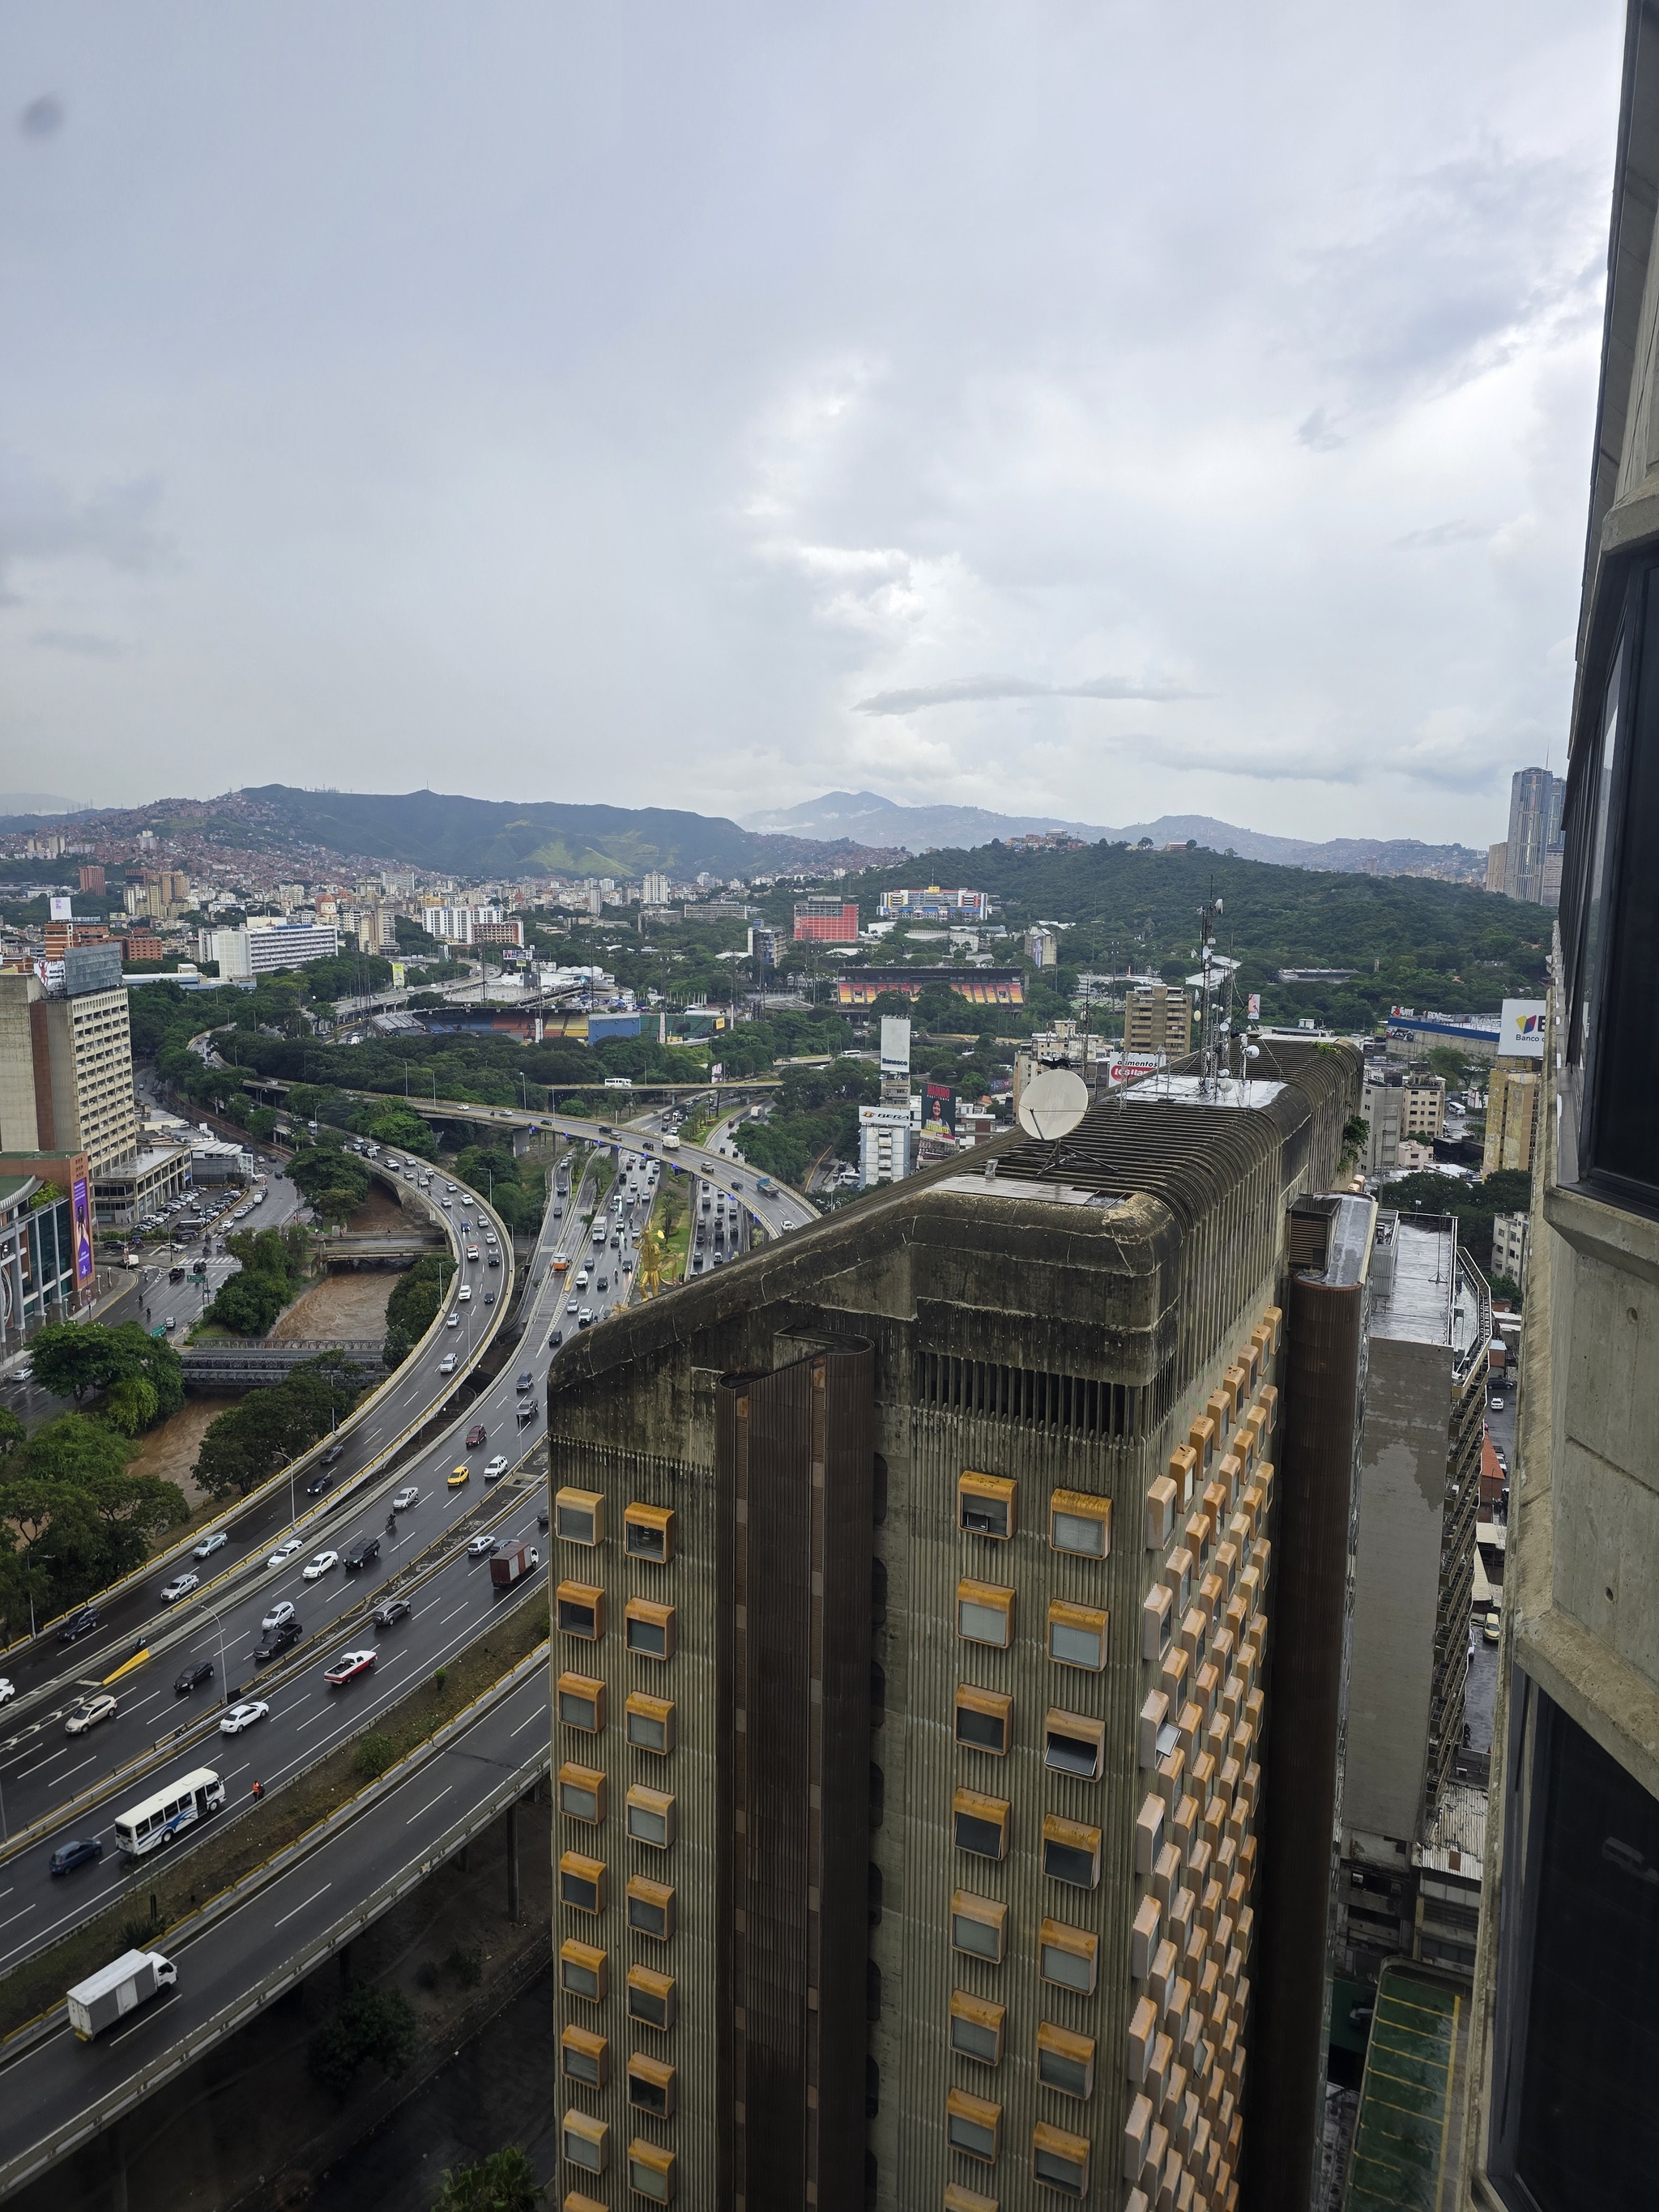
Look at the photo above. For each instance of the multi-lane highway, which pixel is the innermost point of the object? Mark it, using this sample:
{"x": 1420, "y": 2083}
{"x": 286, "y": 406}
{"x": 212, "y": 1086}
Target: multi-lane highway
{"x": 52, "y": 2082}
{"x": 52, "y": 1782}
{"x": 55, "y": 2086}
{"x": 43, "y": 1669}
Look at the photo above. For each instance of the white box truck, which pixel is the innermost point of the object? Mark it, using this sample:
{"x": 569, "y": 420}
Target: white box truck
{"x": 117, "y": 1989}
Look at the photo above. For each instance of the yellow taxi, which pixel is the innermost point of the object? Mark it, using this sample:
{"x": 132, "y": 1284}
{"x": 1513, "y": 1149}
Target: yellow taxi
{"x": 458, "y": 1475}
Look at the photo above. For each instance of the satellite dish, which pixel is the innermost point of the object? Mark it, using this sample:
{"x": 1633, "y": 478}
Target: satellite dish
{"x": 1052, "y": 1103}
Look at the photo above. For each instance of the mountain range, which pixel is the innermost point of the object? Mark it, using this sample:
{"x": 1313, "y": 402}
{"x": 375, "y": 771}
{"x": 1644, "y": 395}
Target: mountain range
{"x": 866, "y": 817}
{"x": 452, "y": 834}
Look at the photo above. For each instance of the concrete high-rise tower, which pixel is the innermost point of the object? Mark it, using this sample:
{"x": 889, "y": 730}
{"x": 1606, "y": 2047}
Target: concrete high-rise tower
{"x": 912, "y": 1588}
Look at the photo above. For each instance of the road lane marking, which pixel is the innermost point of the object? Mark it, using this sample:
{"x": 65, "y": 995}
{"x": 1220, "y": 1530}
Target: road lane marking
{"x": 300, "y": 1907}
{"x": 524, "y": 1724}
{"x": 427, "y": 1808}
{"x": 143, "y": 2020}
{"x": 23, "y": 1915}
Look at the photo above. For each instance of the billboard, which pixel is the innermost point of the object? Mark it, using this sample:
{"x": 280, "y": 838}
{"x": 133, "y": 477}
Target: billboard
{"x": 399, "y": 976}
{"x": 938, "y": 1110}
{"x": 81, "y": 1207}
{"x": 62, "y": 910}
{"x": 894, "y": 1048}
{"x": 1521, "y": 1030}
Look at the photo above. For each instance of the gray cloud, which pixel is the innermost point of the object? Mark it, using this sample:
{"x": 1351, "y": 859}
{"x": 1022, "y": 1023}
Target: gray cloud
{"x": 1442, "y": 534}
{"x": 41, "y": 520}
{"x": 85, "y": 642}
{"x": 889, "y": 342}
{"x": 964, "y": 687}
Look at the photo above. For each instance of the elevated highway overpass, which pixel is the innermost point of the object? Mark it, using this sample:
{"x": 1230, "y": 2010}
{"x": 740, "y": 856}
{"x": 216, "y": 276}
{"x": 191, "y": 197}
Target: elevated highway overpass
{"x": 53, "y": 2091}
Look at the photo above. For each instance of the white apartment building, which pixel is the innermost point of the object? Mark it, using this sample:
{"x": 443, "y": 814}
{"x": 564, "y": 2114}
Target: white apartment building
{"x": 265, "y": 947}
{"x": 883, "y": 1144}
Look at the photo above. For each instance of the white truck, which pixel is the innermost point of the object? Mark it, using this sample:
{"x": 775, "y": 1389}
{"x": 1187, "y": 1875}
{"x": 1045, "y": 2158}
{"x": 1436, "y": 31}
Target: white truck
{"x": 117, "y": 1989}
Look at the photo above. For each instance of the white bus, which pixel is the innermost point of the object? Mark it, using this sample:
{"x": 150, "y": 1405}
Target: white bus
{"x": 154, "y": 1821}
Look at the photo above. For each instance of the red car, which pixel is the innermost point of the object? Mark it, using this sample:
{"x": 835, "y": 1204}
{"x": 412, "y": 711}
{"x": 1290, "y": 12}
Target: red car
{"x": 475, "y": 1436}
{"x": 347, "y": 1668}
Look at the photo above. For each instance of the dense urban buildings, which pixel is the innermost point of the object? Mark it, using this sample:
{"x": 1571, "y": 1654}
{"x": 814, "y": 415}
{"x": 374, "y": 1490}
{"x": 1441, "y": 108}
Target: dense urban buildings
{"x": 1561, "y": 2116}
{"x": 912, "y": 1583}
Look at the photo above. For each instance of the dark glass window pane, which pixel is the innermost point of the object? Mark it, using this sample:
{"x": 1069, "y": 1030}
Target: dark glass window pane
{"x": 1589, "y": 899}
{"x": 1588, "y": 2127}
{"x": 1624, "y": 1037}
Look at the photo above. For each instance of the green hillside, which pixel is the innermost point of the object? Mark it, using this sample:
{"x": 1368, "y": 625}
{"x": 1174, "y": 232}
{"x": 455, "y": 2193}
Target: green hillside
{"x": 1411, "y": 941}
{"x": 486, "y": 837}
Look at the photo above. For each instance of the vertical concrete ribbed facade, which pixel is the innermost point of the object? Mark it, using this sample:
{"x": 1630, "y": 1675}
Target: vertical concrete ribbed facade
{"x": 1065, "y": 1516}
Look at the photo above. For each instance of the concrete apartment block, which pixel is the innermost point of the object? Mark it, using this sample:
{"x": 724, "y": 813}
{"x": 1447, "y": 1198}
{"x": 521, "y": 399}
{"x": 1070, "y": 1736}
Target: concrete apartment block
{"x": 912, "y": 1581}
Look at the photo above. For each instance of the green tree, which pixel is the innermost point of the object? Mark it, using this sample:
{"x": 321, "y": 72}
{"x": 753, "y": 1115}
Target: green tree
{"x": 248, "y": 1303}
{"x": 404, "y": 1130}
{"x": 413, "y": 1306}
{"x": 271, "y": 1427}
{"x": 336, "y": 1183}
{"x": 506, "y": 2182}
{"x": 129, "y": 1405}
{"x": 71, "y": 1359}
{"x": 12, "y": 1433}
{"x": 372, "y": 2023}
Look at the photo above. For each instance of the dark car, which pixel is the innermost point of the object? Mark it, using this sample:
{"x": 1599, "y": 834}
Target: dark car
{"x": 318, "y": 1483}
{"x": 475, "y": 1436}
{"x": 86, "y": 1850}
{"x": 359, "y": 1554}
{"x": 541, "y": 1518}
{"x": 77, "y": 1625}
{"x": 525, "y": 1383}
{"x": 198, "y": 1672}
{"x": 555, "y": 1339}
{"x": 389, "y": 1614}
{"x": 277, "y": 1640}
{"x": 489, "y": 1297}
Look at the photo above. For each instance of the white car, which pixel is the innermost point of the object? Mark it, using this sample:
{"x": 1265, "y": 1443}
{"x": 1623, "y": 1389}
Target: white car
{"x": 284, "y": 1552}
{"x": 314, "y": 1570}
{"x": 481, "y": 1547}
{"x": 462, "y": 1294}
{"x": 8, "y": 1690}
{"x": 209, "y": 1545}
{"x": 496, "y": 1468}
{"x": 280, "y": 1612}
{"x": 404, "y": 1499}
{"x": 446, "y": 1365}
{"x": 243, "y": 1716}
{"x": 452, "y": 1321}
{"x": 180, "y": 1586}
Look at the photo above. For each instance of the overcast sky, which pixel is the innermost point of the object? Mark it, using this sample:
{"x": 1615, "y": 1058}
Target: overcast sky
{"x": 1111, "y": 409}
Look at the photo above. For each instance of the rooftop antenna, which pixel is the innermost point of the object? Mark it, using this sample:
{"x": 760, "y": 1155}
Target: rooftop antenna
{"x": 1206, "y": 1076}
